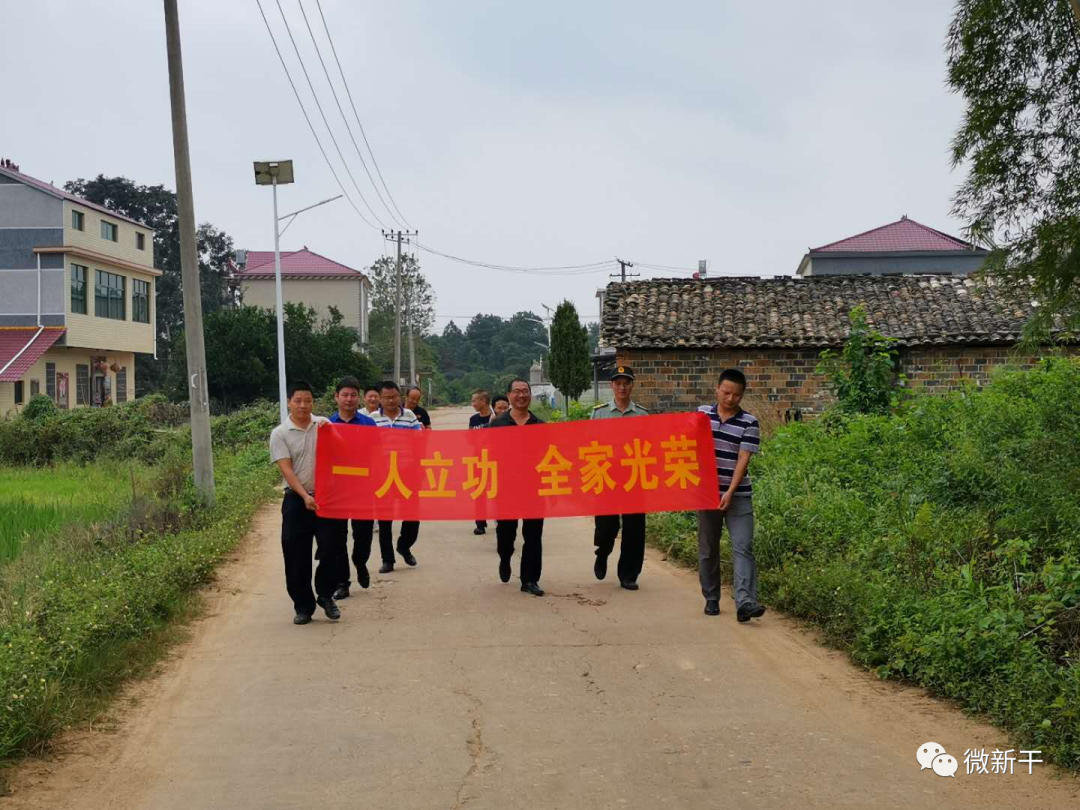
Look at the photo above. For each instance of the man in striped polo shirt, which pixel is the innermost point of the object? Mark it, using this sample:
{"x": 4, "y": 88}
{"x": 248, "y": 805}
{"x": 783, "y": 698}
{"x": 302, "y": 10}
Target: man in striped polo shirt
{"x": 392, "y": 415}
{"x": 736, "y": 437}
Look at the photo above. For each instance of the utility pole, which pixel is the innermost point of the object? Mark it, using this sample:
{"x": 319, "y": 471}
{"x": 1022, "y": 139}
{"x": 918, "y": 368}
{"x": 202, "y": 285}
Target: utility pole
{"x": 202, "y": 450}
{"x": 397, "y": 236}
{"x": 622, "y": 270}
{"x": 412, "y": 343}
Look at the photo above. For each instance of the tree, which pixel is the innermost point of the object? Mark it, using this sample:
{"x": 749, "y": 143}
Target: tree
{"x": 863, "y": 377}
{"x": 1017, "y": 64}
{"x": 241, "y": 353}
{"x": 568, "y": 360}
{"x": 155, "y": 207}
{"x": 417, "y": 310}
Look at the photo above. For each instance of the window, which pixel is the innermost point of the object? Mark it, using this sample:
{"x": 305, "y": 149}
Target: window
{"x": 50, "y": 381}
{"x": 78, "y": 289}
{"x": 140, "y": 241}
{"x": 121, "y": 385}
{"x": 140, "y": 301}
{"x": 108, "y": 231}
{"x": 35, "y": 387}
{"x": 82, "y": 385}
{"x": 18, "y": 393}
{"x": 109, "y": 296}
{"x": 78, "y": 220}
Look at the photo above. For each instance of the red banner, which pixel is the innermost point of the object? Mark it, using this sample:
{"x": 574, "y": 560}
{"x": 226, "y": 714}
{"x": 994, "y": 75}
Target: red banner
{"x": 602, "y": 467}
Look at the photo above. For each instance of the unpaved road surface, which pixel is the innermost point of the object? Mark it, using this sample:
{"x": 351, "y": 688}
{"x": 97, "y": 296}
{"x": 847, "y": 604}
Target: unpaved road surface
{"x": 443, "y": 688}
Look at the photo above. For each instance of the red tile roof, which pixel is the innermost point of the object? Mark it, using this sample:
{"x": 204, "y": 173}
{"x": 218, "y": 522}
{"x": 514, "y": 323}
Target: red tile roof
{"x": 21, "y": 346}
{"x": 897, "y": 237}
{"x": 48, "y": 188}
{"x": 294, "y": 263}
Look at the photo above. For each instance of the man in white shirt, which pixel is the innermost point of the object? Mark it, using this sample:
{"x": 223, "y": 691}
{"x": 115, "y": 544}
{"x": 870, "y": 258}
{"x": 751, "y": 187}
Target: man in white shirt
{"x": 292, "y": 448}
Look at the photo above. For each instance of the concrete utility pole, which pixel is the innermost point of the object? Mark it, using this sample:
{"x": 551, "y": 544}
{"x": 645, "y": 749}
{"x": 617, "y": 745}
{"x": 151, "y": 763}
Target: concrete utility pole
{"x": 622, "y": 270}
{"x": 201, "y": 447}
{"x": 412, "y": 345}
{"x": 397, "y": 236}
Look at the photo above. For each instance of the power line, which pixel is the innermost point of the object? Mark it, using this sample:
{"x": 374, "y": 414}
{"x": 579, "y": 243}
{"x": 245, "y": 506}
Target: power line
{"x": 564, "y": 269}
{"x": 363, "y": 134}
{"x": 326, "y": 123}
{"x": 307, "y": 118}
{"x": 333, "y": 92}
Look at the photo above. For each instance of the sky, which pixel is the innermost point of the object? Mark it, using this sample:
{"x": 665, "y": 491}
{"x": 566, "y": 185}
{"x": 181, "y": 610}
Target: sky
{"x": 530, "y": 135}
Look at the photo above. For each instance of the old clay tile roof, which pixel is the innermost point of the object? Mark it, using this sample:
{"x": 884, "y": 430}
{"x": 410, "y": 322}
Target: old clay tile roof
{"x": 294, "y": 263}
{"x": 741, "y": 312}
{"x": 25, "y": 339}
{"x": 901, "y": 236}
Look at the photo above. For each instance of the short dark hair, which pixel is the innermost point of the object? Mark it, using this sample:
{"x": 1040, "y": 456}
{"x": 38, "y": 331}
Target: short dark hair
{"x": 389, "y": 385}
{"x": 510, "y": 387}
{"x": 733, "y": 375}
{"x": 347, "y": 382}
{"x": 374, "y": 388}
{"x": 299, "y": 385}
{"x": 480, "y": 392}
{"x": 412, "y": 388}
{"x": 499, "y": 398}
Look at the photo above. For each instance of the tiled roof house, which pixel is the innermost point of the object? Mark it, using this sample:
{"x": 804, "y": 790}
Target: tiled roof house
{"x": 307, "y": 278}
{"x": 77, "y": 296}
{"x": 679, "y": 334}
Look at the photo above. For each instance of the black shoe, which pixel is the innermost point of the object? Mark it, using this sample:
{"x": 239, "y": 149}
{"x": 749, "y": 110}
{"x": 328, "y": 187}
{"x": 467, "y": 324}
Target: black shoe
{"x": 748, "y": 612}
{"x": 407, "y": 556}
{"x": 478, "y": 530}
{"x": 363, "y": 578}
{"x": 386, "y": 568}
{"x": 330, "y": 608}
{"x": 504, "y": 570}
{"x": 341, "y": 593}
{"x": 531, "y": 587}
{"x": 629, "y": 584}
{"x": 600, "y": 566}
{"x": 301, "y": 618}
{"x": 712, "y": 607}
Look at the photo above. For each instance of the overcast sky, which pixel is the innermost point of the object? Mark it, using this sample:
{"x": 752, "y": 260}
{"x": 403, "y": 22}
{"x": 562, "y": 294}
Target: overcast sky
{"x": 556, "y": 133}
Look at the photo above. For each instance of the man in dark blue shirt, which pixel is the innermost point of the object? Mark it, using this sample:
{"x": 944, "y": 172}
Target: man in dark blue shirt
{"x": 481, "y": 402}
{"x": 347, "y": 396}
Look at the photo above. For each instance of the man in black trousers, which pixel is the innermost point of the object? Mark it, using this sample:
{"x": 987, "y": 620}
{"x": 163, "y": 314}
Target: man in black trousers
{"x": 292, "y": 448}
{"x": 532, "y": 530}
{"x": 632, "y": 550}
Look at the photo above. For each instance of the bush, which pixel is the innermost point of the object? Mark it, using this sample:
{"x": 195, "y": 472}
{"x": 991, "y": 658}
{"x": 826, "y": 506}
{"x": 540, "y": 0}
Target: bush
{"x": 39, "y": 407}
{"x": 940, "y": 545}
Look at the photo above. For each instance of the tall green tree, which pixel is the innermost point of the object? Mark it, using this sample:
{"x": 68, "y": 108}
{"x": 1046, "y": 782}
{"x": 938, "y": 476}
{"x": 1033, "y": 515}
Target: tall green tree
{"x": 155, "y": 207}
{"x": 568, "y": 361}
{"x": 241, "y": 353}
{"x": 1017, "y": 65}
{"x": 417, "y": 306}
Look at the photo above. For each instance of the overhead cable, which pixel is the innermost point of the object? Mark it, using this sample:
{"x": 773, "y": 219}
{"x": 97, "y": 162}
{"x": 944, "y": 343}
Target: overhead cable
{"x": 307, "y": 118}
{"x": 363, "y": 134}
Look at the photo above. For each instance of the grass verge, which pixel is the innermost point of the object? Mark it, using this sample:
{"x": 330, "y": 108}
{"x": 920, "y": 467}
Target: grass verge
{"x": 940, "y": 545}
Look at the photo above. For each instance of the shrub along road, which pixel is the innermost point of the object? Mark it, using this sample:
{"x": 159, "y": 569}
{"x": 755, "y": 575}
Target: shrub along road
{"x": 442, "y": 687}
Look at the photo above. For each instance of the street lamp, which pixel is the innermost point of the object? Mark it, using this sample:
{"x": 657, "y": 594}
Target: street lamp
{"x": 274, "y": 173}
{"x": 271, "y": 173}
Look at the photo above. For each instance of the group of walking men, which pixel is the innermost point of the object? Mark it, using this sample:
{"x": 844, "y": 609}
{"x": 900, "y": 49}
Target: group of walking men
{"x": 736, "y": 437}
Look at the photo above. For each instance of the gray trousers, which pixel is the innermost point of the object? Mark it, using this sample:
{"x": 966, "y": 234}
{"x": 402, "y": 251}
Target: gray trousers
{"x": 740, "y": 524}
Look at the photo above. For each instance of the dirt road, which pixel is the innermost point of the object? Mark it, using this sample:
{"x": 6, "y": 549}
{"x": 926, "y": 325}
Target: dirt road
{"x": 443, "y": 688}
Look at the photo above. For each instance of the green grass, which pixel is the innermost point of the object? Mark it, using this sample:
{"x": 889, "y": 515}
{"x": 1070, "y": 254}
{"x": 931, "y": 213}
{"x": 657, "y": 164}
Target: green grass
{"x": 38, "y": 503}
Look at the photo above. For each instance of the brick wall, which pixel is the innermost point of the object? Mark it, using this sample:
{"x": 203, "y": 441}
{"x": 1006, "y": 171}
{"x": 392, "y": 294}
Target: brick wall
{"x": 679, "y": 379}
